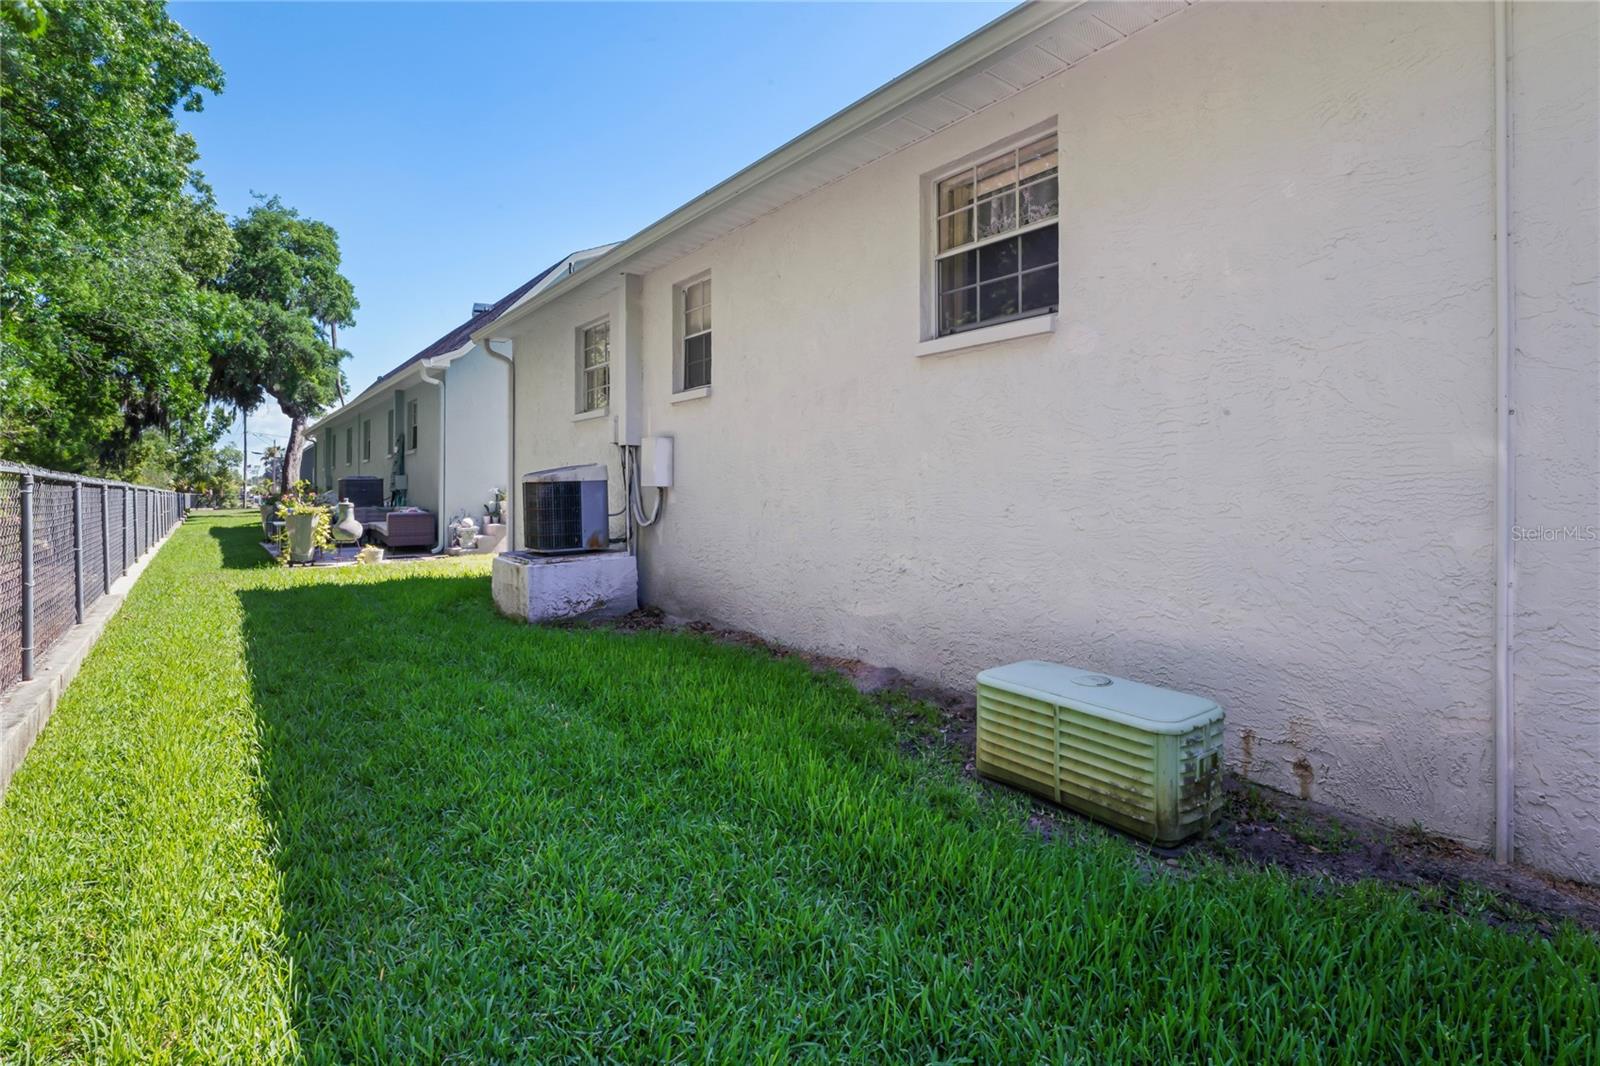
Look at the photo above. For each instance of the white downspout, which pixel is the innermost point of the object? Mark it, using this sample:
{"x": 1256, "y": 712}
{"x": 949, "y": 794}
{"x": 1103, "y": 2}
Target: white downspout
{"x": 511, "y": 437}
{"x": 1505, "y": 499}
{"x": 444, "y": 531}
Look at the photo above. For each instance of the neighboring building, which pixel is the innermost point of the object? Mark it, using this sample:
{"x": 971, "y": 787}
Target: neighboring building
{"x": 436, "y": 428}
{"x": 1177, "y": 361}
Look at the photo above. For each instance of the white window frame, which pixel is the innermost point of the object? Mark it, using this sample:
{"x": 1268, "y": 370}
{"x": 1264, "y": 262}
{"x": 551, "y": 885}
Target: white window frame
{"x": 681, "y": 336}
{"x": 366, "y": 440}
{"x": 413, "y": 426}
{"x": 1021, "y": 324}
{"x": 388, "y": 439}
{"x": 581, "y": 405}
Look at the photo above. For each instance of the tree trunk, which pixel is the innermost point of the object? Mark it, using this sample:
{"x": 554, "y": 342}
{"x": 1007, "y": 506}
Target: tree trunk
{"x": 292, "y": 451}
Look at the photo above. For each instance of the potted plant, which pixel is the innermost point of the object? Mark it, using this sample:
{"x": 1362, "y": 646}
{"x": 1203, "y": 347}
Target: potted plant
{"x": 270, "y": 498}
{"x": 306, "y": 528}
{"x": 494, "y": 510}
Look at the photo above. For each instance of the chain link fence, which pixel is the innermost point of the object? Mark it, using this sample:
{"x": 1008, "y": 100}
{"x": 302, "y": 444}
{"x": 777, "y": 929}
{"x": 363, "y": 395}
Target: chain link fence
{"x": 64, "y": 540}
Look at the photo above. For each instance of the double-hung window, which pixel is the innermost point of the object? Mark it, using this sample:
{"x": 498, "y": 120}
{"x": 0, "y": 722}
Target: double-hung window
{"x": 349, "y": 445}
{"x": 696, "y": 324}
{"x": 594, "y": 366}
{"x": 997, "y": 242}
{"x": 411, "y": 426}
{"x": 366, "y": 440}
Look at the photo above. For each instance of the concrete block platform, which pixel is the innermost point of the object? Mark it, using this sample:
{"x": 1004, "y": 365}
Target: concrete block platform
{"x": 550, "y": 588}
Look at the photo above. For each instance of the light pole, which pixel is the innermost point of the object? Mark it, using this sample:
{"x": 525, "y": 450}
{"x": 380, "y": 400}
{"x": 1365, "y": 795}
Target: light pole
{"x": 244, "y": 461}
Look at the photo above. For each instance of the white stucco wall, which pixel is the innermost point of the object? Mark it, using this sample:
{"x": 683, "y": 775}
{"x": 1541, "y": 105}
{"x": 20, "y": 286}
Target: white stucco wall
{"x": 1254, "y": 460}
{"x": 1556, "y": 397}
{"x": 422, "y": 465}
{"x": 478, "y": 428}
{"x": 550, "y": 432}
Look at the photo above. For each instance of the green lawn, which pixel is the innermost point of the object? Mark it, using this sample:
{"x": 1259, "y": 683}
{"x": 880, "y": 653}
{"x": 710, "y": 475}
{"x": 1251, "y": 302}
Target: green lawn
{"x": 354, "y": 816}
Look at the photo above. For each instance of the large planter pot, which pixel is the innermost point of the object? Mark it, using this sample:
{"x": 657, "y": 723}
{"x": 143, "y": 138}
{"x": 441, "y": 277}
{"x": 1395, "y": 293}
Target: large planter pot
{"x": 269, "y": 511}
{"x": 302, "y": 537}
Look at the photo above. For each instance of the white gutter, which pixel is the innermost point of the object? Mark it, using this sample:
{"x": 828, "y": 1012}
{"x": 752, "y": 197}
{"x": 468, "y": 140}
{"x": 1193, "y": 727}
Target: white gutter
{"x": 977, "y": 46}
{"x": 1505, "y": 453}
{"x": 511, "y": 436}
{"x": 427, "y": 365}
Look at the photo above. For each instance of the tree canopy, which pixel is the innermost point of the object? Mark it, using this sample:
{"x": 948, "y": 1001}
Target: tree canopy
{"x": 285, "y": 279}
{"x": 112, "y": 243}
{"x": 129, "y": 302}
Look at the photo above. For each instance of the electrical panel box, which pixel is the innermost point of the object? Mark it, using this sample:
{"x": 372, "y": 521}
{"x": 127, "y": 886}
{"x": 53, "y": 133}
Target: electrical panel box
{"x": 655, "y": 462}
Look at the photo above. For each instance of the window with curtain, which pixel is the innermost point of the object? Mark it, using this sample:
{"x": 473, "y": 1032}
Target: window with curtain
{"x": 696, "y": 356}
{"x": 997, "y": 238}
{"x": 595, "y": 356}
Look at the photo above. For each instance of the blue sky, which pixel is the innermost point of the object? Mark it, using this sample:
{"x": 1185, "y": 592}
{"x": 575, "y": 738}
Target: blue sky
{"x": 460, "y": 148}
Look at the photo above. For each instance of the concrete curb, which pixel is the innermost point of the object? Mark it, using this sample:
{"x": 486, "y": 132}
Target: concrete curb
{"x": 25, "y": 709}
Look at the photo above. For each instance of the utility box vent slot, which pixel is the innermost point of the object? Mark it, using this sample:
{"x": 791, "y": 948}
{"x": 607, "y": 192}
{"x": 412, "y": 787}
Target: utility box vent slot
{"x": 1147, "y": 760}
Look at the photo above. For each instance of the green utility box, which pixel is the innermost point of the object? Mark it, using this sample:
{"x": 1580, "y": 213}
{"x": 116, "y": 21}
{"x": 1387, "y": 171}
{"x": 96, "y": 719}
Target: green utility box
{"x": 1147, "y": 760}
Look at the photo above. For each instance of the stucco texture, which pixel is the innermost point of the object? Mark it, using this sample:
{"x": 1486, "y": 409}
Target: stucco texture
{"x": 478, "y": 431}
{"x": 1254, "y": 460}
{"x": 1555, "y": 392}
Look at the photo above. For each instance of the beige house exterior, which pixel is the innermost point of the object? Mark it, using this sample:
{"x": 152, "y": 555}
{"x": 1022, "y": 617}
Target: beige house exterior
{"x": 1296, "y": 436}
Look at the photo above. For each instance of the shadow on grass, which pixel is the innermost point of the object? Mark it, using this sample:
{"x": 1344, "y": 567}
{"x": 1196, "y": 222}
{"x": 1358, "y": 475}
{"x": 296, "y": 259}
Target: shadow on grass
{"x": 425, "y": 777}
{"x": 363, "y": 699}
{"x": 482, "y": 827}
{"x": 503, "y": 843}
{"x": 241, "y": 546}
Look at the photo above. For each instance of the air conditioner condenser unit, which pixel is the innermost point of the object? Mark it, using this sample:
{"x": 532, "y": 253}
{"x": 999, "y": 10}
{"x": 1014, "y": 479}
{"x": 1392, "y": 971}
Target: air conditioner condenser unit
{"x": 1147, "y": 760}
{"x": 564, "y": 509}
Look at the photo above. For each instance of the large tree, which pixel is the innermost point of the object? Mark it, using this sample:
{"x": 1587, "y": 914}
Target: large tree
{"x": 286, "y": 282}
{"x": 110, "y": 237}
{"x": 181, "y": 454}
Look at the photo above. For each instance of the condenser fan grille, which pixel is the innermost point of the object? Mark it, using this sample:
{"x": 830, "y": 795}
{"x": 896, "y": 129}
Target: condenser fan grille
{"x": 552, "y": 514}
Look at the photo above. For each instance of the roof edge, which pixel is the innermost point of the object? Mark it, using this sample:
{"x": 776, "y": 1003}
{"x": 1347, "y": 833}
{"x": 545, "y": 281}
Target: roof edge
{"x": 982, "y": 43}
{"x": 392, "y": 380}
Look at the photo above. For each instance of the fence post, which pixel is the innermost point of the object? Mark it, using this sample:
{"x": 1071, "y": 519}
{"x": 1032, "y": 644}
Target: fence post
{"x": 25, "y": 500}
{"x": 105, "y": 541}
{"x": 77, "y": 552}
